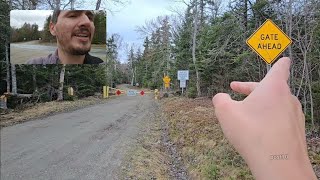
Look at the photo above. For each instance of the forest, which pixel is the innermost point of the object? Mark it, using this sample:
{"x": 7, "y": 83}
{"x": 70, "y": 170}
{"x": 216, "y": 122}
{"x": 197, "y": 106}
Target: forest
{"x": 210, "y": 42}
{"x": 30, "y": 32}
{"x": 30, "y": 84}
{"x": 205, "y": 39}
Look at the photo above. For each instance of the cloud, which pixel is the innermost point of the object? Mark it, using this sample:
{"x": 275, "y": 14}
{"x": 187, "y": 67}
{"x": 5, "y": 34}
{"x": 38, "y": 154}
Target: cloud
{"x": 134, "y": 15}
{"x": 19, "y": 17}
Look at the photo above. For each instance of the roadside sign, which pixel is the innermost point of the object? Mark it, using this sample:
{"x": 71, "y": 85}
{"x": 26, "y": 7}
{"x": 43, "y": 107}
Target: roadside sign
{"x": 269, "y": 41}
{"x": 183, "y": 84}
{"x": 131, "y": 92}
{"x": 167, "y": 85}
{"x": 166, "y": 80}
{"x": 118, "y": 92}
{"x": 183, "y": 75}
{"x": 142, "y": 93}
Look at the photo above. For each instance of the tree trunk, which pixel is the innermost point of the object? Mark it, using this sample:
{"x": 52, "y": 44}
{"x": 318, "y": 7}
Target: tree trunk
{"x": 106, "y": 69}
{"x": 57, "y": 4}
{"x": 308, "y": 79}
{"x": 72, "y": 4}
{"x": 8, "y": 68}
{"x": 34, "y": 79}
{"x": 98, "y": 4}
{"x": 304, "y": 102}
{"x": 132, "y": 78}
{"x": 245, "y": 14}
{"x": 61, "y": 82}
{"x": 194, "y": 38}
{"x": 303, "y": 74}
{"x": 33, "y": 4}
{"x": 14, "y": 79}
{"x": 289, "y": 31}
{"x": 135, "y": 74}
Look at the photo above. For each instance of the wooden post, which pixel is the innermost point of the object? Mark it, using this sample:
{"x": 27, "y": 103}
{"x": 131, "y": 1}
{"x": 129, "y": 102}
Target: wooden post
{"x": 105, "y": 92}
{"x": 156, "y": 94}
{"x": 3, "y": 102}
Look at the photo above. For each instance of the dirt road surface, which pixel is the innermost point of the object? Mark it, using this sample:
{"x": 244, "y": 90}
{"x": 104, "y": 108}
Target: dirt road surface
{"x": 84, "y": 144}
{"x": 21, "y": 52}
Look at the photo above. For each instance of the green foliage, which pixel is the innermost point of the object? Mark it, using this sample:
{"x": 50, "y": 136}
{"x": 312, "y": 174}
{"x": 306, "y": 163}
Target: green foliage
{"x": 46, "y": 34}
{"x": 192, "y": 92}
{"x": 4, "y": 42}
{"x": 43, "y": 82}
{"x": 212, "y": 171}
{"x": 27, "y": 32}
{"x": 100, "y": 28}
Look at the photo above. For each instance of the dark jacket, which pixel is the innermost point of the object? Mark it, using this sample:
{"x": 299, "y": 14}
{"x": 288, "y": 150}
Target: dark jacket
{"x": 54, "y": 59}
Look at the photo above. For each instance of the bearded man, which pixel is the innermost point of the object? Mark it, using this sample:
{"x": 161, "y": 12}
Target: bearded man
{"x": 74, "y": 30}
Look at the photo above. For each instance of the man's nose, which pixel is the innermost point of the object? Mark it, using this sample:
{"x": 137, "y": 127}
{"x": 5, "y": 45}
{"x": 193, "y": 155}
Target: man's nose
{"x": 84, "y": 20}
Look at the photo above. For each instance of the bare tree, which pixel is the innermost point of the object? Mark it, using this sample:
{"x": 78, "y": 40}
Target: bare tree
{"x": 8, "y": 67}
{"x": 61, "y": 83}
{"x": 14, "y": 79}
{"x": 111, "y": 4}
{"x": 194, "y": 41}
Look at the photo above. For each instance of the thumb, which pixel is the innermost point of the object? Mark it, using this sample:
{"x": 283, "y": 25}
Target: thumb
{"x": 222, "y": 101}
{"x": 223, "y": 107}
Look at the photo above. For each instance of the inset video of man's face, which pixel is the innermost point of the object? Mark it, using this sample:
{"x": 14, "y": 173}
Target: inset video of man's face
{"x": 74, "y": 31}
{"x": 60, "y": 36}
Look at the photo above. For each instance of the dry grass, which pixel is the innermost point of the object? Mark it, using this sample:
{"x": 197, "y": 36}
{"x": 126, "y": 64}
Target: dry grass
{"x": 45, "y": 109}
{"x": 147, "y": 159}
{"x": 205, "y": 151}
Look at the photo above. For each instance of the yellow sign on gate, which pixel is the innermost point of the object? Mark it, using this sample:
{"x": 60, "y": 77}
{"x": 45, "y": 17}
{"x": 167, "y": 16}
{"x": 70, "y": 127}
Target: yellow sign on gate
{"x": 269, "y": 41}
{"x": 166, "y": 80}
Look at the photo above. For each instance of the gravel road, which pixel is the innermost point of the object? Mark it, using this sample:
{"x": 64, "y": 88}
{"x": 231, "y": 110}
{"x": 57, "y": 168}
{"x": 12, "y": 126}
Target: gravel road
{"x": 84, "y": 144}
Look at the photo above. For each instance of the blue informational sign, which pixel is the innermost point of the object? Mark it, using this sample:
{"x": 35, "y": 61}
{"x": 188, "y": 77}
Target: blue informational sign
{"x": 183, "y": 75}
{"x": 131, "y": 92}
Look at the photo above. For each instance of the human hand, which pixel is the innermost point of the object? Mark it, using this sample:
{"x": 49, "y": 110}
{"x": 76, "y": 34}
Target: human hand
{"x": 267, "y": 128}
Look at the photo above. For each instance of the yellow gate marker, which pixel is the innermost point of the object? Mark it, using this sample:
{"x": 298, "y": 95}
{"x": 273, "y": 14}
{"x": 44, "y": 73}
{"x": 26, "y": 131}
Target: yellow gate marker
{"x": 156, "y": 94}
{"x": 166, "y": 81}
{"x": 70, "y": 91}
{"x": 269, "y": 41}
{"x": 105, "y": 92}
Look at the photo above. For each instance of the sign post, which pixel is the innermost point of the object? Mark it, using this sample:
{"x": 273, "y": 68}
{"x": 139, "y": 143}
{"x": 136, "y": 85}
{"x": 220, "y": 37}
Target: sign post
{"x": 166, "y": 81}
{"x": 269, "y": 41}
{"x": 183, "y": 76}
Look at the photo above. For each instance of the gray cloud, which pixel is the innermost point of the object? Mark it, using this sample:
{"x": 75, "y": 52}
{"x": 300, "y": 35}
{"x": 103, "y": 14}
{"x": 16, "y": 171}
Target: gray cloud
{"x": 136, "y": 14}
{"x": 19, "y": 17}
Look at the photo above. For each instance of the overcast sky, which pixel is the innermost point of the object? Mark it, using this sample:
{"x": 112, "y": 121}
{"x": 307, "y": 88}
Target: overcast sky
{"x": 125, "y": 21}
{"x": 19, "y": 17}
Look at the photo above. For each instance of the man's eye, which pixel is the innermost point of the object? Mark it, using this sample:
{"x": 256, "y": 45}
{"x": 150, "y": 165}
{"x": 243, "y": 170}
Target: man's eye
{"x": 90, "y": 17}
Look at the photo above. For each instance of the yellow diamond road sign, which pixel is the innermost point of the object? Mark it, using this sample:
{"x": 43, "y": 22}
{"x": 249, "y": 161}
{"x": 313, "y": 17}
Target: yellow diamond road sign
{"x": 269, "y": 41}
{"x": 166, "y": 80}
